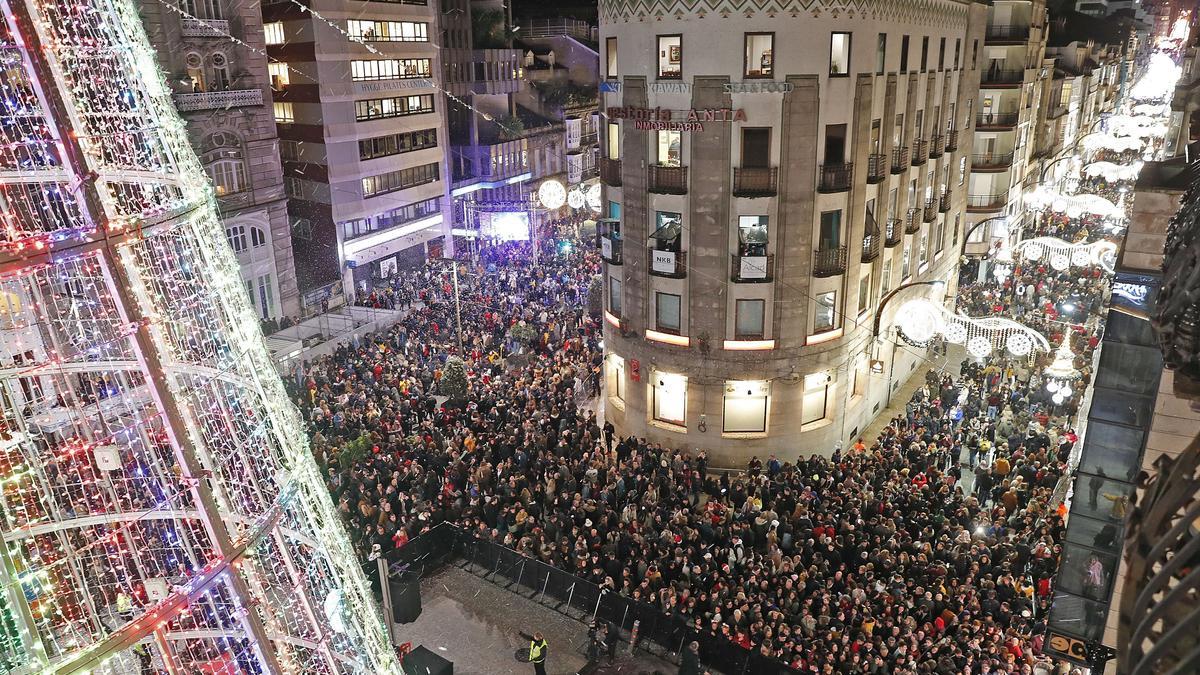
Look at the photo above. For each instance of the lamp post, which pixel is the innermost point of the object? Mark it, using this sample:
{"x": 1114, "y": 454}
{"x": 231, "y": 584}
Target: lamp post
{"x": 877, "y": 364}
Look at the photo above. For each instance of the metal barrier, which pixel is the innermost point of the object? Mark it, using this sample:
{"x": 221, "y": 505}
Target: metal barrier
{"x": 575, "y": 597}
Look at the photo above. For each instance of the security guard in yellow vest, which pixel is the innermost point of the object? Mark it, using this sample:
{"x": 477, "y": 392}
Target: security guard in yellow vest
{"x": 537, "y": 653}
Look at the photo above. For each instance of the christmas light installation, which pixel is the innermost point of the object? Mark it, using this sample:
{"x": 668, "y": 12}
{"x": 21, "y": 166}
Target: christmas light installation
{"x": 920, "y": 320}
{"x": 158, "y": 503}
{"x": 1061, "y": 255}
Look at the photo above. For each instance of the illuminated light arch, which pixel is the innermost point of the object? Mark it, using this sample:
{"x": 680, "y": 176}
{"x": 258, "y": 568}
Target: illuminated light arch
{"x": 1102, "y": 254}
{"x": 920, "y": 319}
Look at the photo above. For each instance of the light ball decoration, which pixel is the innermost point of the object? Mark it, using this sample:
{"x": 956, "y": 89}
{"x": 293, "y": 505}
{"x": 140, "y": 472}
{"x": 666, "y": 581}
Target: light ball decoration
{"x": 919, "y": 322}
{"x": 575, "y": 199}
{"x": 1019, "y": 344}
{"x": 552, "y": 194}
{"x": 1034, "y": 251}
{"x": 1058, "y": 399}
{"x": 1074, "y": 211}
{"x": 956, "y": 333}
{"x": 1081, "y": 257}
{"x": 1060, "y": 261}
{"x": 1052, "y": 386}
{"x": 979, "y": 346}
{"x": 1059, "y": 205}
{"x": 595, "y": 196}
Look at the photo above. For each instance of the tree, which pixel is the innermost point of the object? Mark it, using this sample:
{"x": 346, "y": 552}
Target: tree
{"x": 453, "y": 384}
{"x": 523, "y": 333}
{"x": 353, "y": 452}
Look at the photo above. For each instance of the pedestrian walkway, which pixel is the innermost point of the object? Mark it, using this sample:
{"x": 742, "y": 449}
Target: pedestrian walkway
{"x": 905, "y": 391}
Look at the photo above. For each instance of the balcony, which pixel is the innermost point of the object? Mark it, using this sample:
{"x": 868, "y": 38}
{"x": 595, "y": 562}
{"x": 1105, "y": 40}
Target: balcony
{"x": 1007, "y": 34}
{"x": 835, "y": 177}
{"x": 1056, "y": 110}
{"x": 995, "y": 121}
{"x": 1003, "y": 78}
{"x": 870, "y": 241}
{"x": 218, "y": 100}
{"x": 217, "y": 28}
{"x": 899, "y": 159}
{"x": 952, "y": 140}
{"x": 610, "y": 171}
{"x": 944, "y": 201}
{"x": 668, "y": 180}
{"x": 986, "y": 203}
{"x": 931, "y": 207}
{"x": 936, "y": 146}
{"x": 610, "y": 249}
{"x": 893, "y": 232}
{"x": 830, "y": 262}
{"x": 753, "y": 181}
{"x": 991, "y": 161}
{"x": 666, "y": 264}
{"x": 912, "y": 221}
{"x": 751, "y": 269}
{"x": 876, "y": 168}
{"x": 919, "y": 152}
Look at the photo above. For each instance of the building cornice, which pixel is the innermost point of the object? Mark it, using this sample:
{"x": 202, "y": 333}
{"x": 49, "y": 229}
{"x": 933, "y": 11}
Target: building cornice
{"x": 909, "y": 11}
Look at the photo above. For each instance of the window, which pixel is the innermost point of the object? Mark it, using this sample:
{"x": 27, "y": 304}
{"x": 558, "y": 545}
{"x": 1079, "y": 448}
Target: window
{"x": 824, "y": 319}
{"x": 864, "y": 293}
{"x": 831, "y": 231}
{"x": 670, "y": 398}
{"x": 203, "y": 9}
{"x": 284, "y": 113}
{"x": 401, "y": 179}
{"x": 392, "y": 218}
{"x": 389, "y": 69}
{"x": 387, "y": 31}
{"x": 954, "y": 234}
{"x": 614, "y": 296}
{"x": 974, "y": 54}
{"x": 670, "y": 57}
{"x": 666, "y": 313}
{"x": 273, "y": 32}
{"x": 668, "y": 231}
{"x": 905, "y": 263}
{"x": 745, "y": 409}
{"x": 941, "y": 53}
{"x": 839, "y": 54}
{"x": 756, "y": 147}
{"x": 616, "y": 377}
{"x": 885, "y": 278}
{"x": 881, "y": 54}
{"x": 266, "y": 296}
{"x": 399, "y": 106}
{"x": 814, "y": 407}
{"x": 669, "y": 148}
{"x": 293, "y": 187}
{"x": 228, "y": 176}
{"x": 220, "y": 72}
{"x": 760, "y": 55}
{"x": 924, "y": 53}
{"x": 610, "y": 58}
{"x": 258, "y": 238}
{"x": 290, "y": 151}
{"x": 957, "y": 51}
{"x": 614, "y": 210}
{"x": 939, "y": 237}
{"x": 904, "y": 53}
{"x": 962, "y": 170}
{"x": 749, "y": 318}
{"x": 923, "y": 252}
{"x": 237, "y": 238}
{"x": 614, "y": 140}
{"x": 752, "y": 236}
{"x": 859, "y": 386}
{"x": 395, "y": 144}
{"x": 279, "y": 75}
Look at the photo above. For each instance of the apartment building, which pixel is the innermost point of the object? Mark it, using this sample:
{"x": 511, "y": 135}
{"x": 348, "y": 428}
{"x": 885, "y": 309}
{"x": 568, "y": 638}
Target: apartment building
{"x": 770, "y": 178}
{"x": 362, "y": 132}
{"x": 220, "y": 88}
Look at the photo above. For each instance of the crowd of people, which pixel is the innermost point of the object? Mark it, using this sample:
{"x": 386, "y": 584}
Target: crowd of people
{"x": 931, "y": 548}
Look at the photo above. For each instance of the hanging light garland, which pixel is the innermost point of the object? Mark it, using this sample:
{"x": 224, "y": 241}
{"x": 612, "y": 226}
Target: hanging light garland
{"x": 1061, "y": 374}
{"x": 920, "y": 320}
{"x": 1061, "y": 254}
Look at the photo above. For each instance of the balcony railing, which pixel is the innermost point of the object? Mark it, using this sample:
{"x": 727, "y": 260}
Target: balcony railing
{"x": 987, "y": 202}
{"x": 610, "y": 250}
{"x": 750, "y": 269}
{"x": 944, "y": 201}
{"x": 936, "y": 146}
{"x": 668, "y": 180}
{"x": 1000, "y": 76}
{"x": 876, "y": 168}
{"x": 610, "y": 171}
{"x": 1005, "y": 120}
{"x": 899, "y": 159}
{"x": 893, "y": 232}
{"x": 205, "y": 27}
{"x": 871, "y": 243}
{"x": 753, "y": 181}
{"x": 835, "y": 177}
{"x": 931, "y": 207}
{"x": 952, "y": 140}
{"x": 991, "y": 161}
{"x": 666, "y": 263}
{"x": 830, "y": 262}
{"x": 912, "y": 221}
{"x": 218, "y": 100}
{"x": 1007, "y": 33}
{"x": 919, "y": 153}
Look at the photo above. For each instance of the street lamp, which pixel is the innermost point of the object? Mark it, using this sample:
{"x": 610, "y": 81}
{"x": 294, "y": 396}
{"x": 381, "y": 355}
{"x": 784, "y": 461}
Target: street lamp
{"x": 877, "y": 363}
{"x": 1061, "y": 373}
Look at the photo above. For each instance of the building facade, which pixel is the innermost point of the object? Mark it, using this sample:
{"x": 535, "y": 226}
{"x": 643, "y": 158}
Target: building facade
{"x": 161, "y": 509}
{"x": 771, "y": 175}
{"x": 222, "y": 91}
{"x": 363, "y": 138}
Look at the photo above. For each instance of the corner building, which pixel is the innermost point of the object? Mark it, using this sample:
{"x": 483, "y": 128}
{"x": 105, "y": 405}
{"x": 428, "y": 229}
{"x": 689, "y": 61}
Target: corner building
{"x": 772, "y": 172}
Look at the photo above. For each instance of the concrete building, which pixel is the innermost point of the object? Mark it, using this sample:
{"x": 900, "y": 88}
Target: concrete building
{"x": 770, "y": 175}
{"x": 363, "y": 136}
{"x": 222, "y": 91}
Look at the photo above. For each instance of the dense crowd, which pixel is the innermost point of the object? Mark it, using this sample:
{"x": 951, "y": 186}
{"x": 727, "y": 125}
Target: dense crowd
{"x": 928, "y": 549}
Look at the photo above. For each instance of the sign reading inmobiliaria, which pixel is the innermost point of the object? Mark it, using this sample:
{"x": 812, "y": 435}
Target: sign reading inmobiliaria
{"x": 663, "y": 119}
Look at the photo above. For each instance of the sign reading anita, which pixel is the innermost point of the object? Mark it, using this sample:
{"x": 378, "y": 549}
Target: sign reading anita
{"x": 664, "y": 119}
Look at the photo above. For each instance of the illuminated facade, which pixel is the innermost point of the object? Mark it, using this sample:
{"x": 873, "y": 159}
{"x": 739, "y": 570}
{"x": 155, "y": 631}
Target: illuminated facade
{"x": 158, "y": 503}
{"x": 771, "y": 174}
